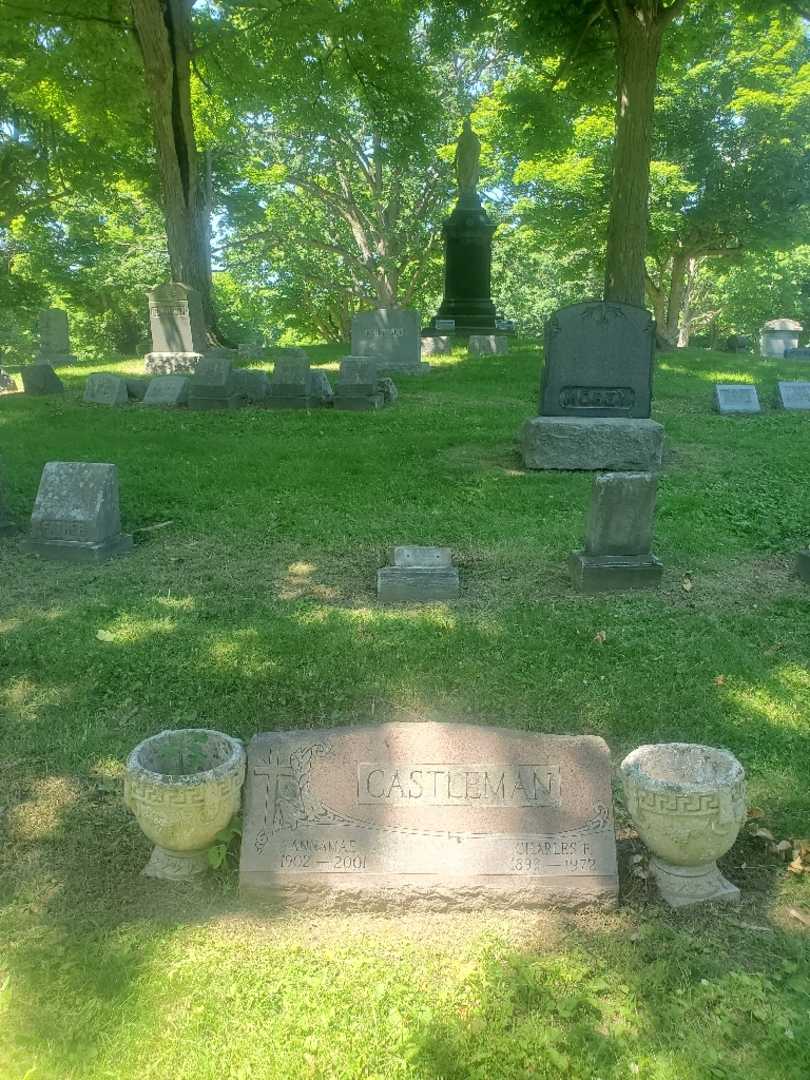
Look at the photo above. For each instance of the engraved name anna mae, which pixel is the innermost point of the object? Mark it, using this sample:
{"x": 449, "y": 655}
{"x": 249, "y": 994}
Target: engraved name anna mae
{"x": 448, "y": 785}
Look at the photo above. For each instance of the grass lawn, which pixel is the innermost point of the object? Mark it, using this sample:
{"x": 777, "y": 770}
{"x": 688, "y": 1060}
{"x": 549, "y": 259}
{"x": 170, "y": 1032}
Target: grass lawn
{"x": 253, "y": 609}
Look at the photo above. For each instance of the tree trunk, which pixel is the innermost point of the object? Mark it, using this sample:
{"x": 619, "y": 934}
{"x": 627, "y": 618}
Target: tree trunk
{"x": 677, "y": 293}
{"x": 163, "y": 30}
{"x": 639, "y": 35}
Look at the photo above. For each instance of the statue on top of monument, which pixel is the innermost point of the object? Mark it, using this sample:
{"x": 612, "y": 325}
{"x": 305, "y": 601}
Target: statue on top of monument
{"x": 467, "y": 160}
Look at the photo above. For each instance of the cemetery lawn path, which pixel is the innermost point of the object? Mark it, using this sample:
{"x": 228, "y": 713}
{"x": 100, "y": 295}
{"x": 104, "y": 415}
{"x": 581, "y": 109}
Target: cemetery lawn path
{"x": 248, "y": 605}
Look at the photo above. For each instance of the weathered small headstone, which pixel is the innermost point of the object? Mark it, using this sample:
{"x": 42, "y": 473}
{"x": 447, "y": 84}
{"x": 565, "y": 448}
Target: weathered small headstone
{"x": 137, "y": 385}
{"x": 794, "y": 395}
{"x": 7, "y": 384}
{"x": 39, "y": 379}
{"x": 212, "y": 385}
{"x": 599, "y": 361}
{"x": 437, "y": 345}
{"x": 252, "y": 385}
{"x": 177, "y": 324}
{"x": 290, "y": 384}
{"x": 739, "y": 398}
{"x": 802, "y": 353}
{"x": 418, "y": 574}
{"x": 320, "y": 389}
{"x": 76, "y": 514}
{"x": 618, "y": 537}
{"x": 357, "y": 388}
{"x": 488, "y": 345}
{"x": 577, "y": 442}
{"x": 431, "y": 816}
{"x": 392, "y": 337}
{"x": 104, "y": 389}
{"x": 167, "y": 391}
{"x": 54, "y": 338}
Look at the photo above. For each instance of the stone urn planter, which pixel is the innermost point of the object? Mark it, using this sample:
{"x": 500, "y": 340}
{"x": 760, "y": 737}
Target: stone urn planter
{"x": 803, "y": 565}
{"x": 688, "y": 804}
{"x": 183, "y": 787}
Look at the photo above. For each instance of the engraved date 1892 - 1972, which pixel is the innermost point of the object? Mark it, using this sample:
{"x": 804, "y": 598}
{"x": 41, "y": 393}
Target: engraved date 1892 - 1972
{"x": 540, "y": 856}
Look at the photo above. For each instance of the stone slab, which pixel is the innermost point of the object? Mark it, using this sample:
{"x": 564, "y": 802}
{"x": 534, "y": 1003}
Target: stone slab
{"x": 614, "y": 573}
{"x": 39, "y": 379}
{"x": 428, "y": 816}
{"x": 54, "y": 337}
{"x": 794, "y": 396}
{"x": 732, "y": 398}
{"x": 488, "y": 345}
{"x": 621, "y": 514}
{"x": 171, "y": 363}
{"x": 392, "y": 335}
{"x": 399, "y": 584}
{"x": 573, "y": 442}
{"x": 167, "y": 391}
{"x": 76, "y": 513}
{"x": 104, "y": 389}
{"x": 598, "y": 361}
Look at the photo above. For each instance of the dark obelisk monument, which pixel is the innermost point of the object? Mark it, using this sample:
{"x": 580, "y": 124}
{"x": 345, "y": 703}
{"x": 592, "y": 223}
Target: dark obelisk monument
{"x": 467, "y": 306}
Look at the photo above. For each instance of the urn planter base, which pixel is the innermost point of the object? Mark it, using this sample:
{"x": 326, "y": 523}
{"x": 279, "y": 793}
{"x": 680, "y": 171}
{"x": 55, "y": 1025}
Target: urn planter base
{"x": 175, "y": 865}
{"x": 682, "y": 886}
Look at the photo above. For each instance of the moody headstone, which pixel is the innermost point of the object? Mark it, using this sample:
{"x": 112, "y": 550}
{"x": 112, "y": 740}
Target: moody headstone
{"x": 778, "y": 335}
{"x": 618, "y": 536}
{"x": 794, "y": 395}
{"x": 177, "y": 325}
{"x": 212, "y": 385}
{"x": 167, "y": 391}
{"x": 54, "y": 337}
{"x": 357, "y": 388}
{"x": 736, "y": 398}
{"x": 290, "y": 384}
{"x": 428, "y": 815}
{"x": 76, "y": 514}
{"x": 39, "y": 379}
{"x": 104, "y": 389}
{"x": 418, "y": 574}
{"x": 392, "y": 337}
{"x": 488, "y": 345}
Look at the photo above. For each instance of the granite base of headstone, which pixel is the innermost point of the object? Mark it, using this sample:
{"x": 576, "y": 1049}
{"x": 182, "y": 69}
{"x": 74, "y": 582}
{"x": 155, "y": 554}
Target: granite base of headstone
{"x": 618, "y": 536}
{"x": 430, "y": 816}
{"x": 252, "y": 385}
{"x": 358, "y": 385}
{"x": 212, "y": 386}
{"x": 137, "y": 386}
{"x": 179, "y": 363}
{"x": 794, "y": 396}
{"x": 177, "y": 325}
{"x": 392, "y": 337}
{"x": 167, "y": 392}
{"x": 7, "y": 384}
{"x": 417, "y": 575}
{"x": 54, "y": 338}
{"x": 803, "y": 565}
{"x": 76, "y": 514}
{"x": 797, "y": 354}
{"x": 39, "y": 379}
{"x": 488, "y": 345}
{"x": 104, "y": 389}
{"x": 437, "y": 345}
{"x": 575, "y": 442}
{"x": 730, "y": 398}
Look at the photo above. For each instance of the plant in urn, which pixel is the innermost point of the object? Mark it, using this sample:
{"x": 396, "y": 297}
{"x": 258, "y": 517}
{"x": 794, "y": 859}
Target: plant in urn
{"x": 184, "y": 787}
{"x": 688, "y": 804}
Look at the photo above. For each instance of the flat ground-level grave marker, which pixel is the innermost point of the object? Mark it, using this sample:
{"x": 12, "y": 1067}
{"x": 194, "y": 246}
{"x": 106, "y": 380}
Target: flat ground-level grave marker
{"x": 437, "y": 816}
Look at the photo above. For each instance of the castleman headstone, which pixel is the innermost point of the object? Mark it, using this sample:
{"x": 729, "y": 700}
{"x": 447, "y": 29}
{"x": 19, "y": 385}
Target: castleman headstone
{"x": 427, "y": 815}
{"x": 794, "y": 396}
{"x": 104, "y": 389}
{"x": 390, "y": 336}
{"x": 76, "y": 514}
{"x": 54, "y": 337}
{"x": 736, "y": 398}
{"x": 618, "y": 536}
{"x": 177, "y": 325}
{"x": 39, "y": 379}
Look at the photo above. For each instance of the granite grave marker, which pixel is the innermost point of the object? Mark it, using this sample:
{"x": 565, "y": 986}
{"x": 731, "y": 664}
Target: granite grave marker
{"x": 167, "y": 391}
{"x": 252, "y": 385}
{"x": 39, "y": 379}
{"x": 392, "y": 337}
{"x": 177, "y": 325}
{"x": 104, "y": 389}
{"x": 428, "y": 815}
{"x": 488, "y": 345}
{"x": 76, "y": 514}
{"x": 54, "y": 337}
{"x": 357, "y": 388}
{"x": 418, "y": 574}
{"x": 739, "y": 398}
{"x": 290, "y": 384}
{"x": 212, "y": 385}
{"x": 794, "y": 395}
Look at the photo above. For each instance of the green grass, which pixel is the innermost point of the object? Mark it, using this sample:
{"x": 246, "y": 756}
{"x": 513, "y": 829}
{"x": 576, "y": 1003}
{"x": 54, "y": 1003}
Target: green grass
{"x": 254, "y": 609}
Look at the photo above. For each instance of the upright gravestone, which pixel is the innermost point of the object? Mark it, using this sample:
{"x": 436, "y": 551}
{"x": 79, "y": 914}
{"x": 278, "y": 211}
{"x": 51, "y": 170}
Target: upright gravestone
{"x": 178, "y": 329}
{"x": 39, "y": 379}
{"x": 290, "y": 384}
{"x": 212, "y": 386}
{"x": 358, "y": 386}
{"x": 736, "y": 398}
{"x": 54, "y": 338}
{"x": 104, "y": 389}
{"x": 596, "y": 391}
{"x": 167, "y": 392}
{"x": 418, "y": 574}
{"x": 618, "y": 536}
{"x": 76, "y": 514}
{"x": 427, "y": 815}
{"x": 391, "y": 337}
{"x": 794, "y": 396}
